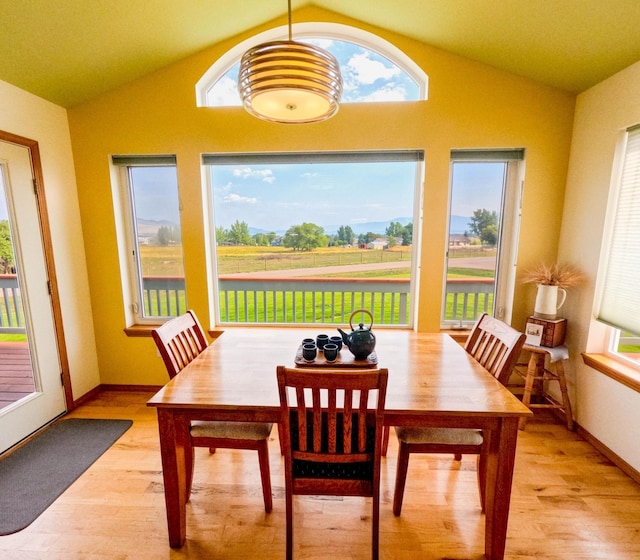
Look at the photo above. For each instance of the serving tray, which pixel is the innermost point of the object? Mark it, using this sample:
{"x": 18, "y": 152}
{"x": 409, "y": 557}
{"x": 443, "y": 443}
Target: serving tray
{"x": 345, "y": 360}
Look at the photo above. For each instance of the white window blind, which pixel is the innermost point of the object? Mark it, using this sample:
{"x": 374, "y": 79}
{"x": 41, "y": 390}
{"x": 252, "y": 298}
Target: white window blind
{"x": 620, "y": 302}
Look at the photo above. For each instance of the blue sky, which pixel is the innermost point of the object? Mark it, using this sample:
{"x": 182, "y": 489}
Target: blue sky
{"x": 3, "y": 202}
{"x": 275, "y": 197}
{"x": 476, "y": 185}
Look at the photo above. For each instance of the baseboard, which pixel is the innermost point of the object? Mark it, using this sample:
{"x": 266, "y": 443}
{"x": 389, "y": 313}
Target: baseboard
{"x": 131, "y": 388}
{"x": 109, "y": 387}
{"x": 618, "y": 461}
{"x": 86, "y": 397}
{"x": 613, "y": 457}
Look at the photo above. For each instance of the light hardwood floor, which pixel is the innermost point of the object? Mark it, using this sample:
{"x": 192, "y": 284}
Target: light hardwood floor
{"x": 568, "y": 503}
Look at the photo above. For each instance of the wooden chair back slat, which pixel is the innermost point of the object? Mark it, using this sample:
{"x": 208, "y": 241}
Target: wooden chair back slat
{"x": 317, "y": 420}
{"x": 347, "y": 426}
{"x": 495, "y": 345}
{"x": 180, "y": 340}
{"x": 332, "y": 421}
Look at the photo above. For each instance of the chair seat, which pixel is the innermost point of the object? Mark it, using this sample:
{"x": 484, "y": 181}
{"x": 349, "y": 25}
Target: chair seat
{"x": 440, "y": 436}
{"x": 231, "y": 430}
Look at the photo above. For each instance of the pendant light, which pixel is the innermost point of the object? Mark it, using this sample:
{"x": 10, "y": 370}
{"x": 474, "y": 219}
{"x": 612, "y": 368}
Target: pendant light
{"x": 289, "y": 82}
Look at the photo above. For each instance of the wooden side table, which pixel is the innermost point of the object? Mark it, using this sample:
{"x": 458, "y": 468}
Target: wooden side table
{"x": 546, "y": 365}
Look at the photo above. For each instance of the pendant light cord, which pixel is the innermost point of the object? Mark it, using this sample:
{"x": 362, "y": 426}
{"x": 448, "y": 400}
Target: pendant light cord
{"x": 289, "y": 13}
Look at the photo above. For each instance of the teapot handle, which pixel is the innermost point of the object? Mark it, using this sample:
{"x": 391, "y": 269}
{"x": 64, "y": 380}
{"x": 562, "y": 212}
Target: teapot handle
{"x": 360, "y": 311}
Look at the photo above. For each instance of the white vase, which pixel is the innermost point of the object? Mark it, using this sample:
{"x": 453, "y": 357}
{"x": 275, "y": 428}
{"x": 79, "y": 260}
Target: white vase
{"x": 548, "y": 300}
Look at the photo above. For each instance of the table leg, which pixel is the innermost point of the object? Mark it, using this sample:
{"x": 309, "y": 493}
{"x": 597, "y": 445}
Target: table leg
{"x": 500, "y": 463}
{"x": 174, "y": 444}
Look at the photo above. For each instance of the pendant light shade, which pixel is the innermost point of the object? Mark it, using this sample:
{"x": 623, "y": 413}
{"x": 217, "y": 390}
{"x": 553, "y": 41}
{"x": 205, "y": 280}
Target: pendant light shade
{"x": 290, "y": 82}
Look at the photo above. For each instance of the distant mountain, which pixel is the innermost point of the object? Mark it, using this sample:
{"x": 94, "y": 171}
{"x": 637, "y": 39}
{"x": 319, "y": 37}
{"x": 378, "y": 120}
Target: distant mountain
{"x": 365, "y": 227}
{"x": 147, "y": 228}
{"x": 254, "y": 230}
{"x": 459, "y": 224}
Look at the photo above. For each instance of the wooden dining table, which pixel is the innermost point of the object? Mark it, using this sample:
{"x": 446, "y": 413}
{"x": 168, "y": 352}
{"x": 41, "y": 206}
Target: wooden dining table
{"x": 432, "y": 382}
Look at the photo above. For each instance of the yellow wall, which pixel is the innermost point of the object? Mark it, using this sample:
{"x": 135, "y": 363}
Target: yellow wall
{"x": 470, "y": 105}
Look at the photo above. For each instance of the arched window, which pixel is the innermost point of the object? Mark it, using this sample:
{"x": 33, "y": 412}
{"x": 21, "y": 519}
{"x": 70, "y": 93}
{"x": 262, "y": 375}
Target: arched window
{"x": 373, "y": 70}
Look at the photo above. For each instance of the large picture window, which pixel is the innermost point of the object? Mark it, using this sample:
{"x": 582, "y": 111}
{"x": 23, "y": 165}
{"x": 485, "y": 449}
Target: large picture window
{"x": 311, "y": 237}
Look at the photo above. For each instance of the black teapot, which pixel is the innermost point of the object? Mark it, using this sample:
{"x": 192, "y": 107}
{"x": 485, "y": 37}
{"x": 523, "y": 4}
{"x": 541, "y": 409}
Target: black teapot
{"x": 360, "y": 341}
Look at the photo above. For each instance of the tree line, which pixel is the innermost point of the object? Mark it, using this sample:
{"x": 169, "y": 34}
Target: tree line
{"x": 7, "y": 264}
{"x": 484, "y": 225}
{"x": 308, "y": 236}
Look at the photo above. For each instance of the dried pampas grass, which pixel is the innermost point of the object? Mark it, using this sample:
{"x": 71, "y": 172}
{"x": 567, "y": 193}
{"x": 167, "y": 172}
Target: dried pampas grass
{"x": 561, "y": 275}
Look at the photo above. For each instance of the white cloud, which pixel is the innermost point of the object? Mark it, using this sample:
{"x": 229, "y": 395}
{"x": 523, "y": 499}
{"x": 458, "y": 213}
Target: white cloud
{"x": 325, "y": 44}
{"x": 265, "y": 175}
{"x": 389, "y": 92}
{"x": 224, "y": 93}
{"x": 237, "y": 199}
{"x": 367, "y": 71}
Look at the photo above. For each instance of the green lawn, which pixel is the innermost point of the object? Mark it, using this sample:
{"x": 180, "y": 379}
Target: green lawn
{"x": 13, "y": 337}
{"x": 161, "y": 261}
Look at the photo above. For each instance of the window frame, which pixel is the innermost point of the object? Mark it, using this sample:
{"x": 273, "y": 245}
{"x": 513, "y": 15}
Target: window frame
{"x": 317, "y": 157}
{"x": 613, "y": 342}
{"x": 511, "y": 212}
{"x": 127, "y": 233}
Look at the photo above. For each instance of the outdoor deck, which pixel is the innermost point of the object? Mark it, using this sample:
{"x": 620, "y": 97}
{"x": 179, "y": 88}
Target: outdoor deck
{"x": 16, "y": 377}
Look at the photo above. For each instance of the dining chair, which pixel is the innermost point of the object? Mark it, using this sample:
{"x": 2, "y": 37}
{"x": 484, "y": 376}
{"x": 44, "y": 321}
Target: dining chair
{"x": 331, "y": 422}
{"x": 180, "y": 340}
{"x": 496, "y": 346}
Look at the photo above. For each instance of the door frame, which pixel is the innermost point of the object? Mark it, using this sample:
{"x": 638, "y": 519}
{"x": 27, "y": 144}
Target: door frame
{"x": 47, "y": 245}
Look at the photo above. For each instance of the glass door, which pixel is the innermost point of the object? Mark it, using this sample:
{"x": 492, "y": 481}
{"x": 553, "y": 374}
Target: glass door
{"x": 31, "y": 391}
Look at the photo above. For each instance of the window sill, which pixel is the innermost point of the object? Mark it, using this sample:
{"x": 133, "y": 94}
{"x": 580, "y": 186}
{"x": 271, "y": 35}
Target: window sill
{"x": 140, "y": 330}
{"x": 623, "y": 373}
{"x": 145, "y": 331}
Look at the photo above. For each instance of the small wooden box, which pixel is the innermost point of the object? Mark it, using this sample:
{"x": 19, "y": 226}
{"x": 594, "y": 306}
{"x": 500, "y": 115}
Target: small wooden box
{"x": 553, "y": 331}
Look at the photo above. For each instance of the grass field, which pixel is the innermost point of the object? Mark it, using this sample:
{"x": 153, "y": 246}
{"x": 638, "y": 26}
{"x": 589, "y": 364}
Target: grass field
{"x": 167, "y": 261}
